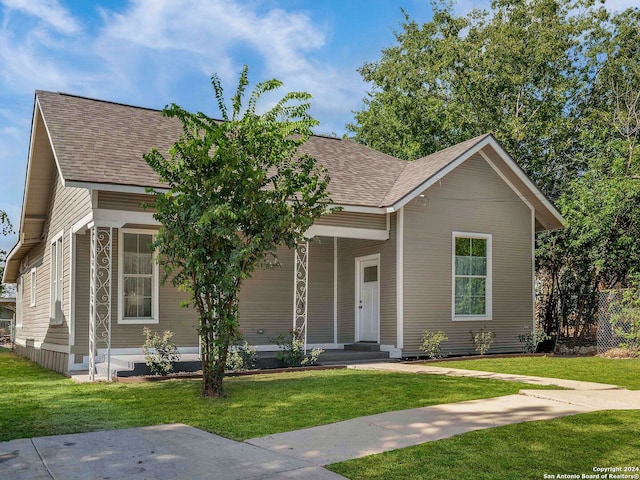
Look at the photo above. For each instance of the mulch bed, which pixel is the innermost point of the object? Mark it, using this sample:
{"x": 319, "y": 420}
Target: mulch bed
{"x": 178, "y": 376}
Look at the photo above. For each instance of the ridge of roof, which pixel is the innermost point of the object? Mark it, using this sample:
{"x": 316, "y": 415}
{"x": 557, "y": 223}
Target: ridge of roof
{"x": 102, "y": 142}
{"x": 83, "y": 97}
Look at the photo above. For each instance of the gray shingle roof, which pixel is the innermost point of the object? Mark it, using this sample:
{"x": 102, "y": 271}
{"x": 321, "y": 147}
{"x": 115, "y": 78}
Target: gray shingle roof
{"x": 103, "y": 142}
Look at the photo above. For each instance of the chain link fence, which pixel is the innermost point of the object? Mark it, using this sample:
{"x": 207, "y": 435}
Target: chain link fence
{"x": 610, "y": 307}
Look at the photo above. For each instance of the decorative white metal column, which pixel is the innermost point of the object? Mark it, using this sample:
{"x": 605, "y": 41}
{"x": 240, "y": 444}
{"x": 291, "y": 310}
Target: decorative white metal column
{"x": 300, "y": 289}
{"x": 100, "y": 296}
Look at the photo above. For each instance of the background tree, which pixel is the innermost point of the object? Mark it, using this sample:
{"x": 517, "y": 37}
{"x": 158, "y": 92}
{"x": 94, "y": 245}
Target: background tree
{"x": 5, "y": 229}
{"x": 510, "y": 71}
{"x": 557, "y": 82}
{"x": 237, "y": 190}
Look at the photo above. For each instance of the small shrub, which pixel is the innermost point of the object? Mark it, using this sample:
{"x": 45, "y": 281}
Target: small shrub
{"x": 530, "y": 340}
{"x": 159, "y": 352}
{"x": 431, "y": 343}
{"x": 291, "y": 352}
{"x": 242, "y": 356}
{"x": 482, "y": 340}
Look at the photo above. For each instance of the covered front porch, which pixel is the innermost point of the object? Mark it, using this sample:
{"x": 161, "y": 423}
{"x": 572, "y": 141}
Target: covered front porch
{"x": 133, "y": 365}
{"x": 338, "y": 288}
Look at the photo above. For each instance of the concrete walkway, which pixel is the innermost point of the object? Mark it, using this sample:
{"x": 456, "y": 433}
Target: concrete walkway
{"x": 160, "y": 452}
{"x": 363, "y": 436}
{"x": 506, "y": 377}
{"x": 180, "y": 451}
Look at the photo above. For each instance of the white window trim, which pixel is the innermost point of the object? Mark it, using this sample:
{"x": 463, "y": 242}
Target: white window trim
{"x": 53, "y": 320}
{"x": 33, "y": 286}
{"x": 19, "y": 294}
{"x": 155, "y": 309}
{"x": 489, "y": 282}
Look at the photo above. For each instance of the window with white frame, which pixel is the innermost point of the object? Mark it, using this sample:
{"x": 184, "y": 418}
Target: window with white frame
{"x": 471, "y": 276}
{"x": 57, "y": 280}
{"x": 33, "y": 277}
{"x": 138, "y": 279}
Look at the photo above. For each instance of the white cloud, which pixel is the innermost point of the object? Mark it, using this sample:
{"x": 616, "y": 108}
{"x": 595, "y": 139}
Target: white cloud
{"x": 212, "y": 33}
{"x": 48, "y": 11}
{"x": 219, "y": 36}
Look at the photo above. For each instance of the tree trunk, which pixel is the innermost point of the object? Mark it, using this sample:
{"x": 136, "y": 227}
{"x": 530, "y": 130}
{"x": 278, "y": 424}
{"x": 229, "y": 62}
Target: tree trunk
{"x": 218, "y": 336}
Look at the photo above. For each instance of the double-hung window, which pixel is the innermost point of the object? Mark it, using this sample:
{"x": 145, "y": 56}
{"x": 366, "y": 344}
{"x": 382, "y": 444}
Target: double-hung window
{"x": 57, "y": 279}
{"x": 138, "y": 279}
{"x": 471, "y": 276}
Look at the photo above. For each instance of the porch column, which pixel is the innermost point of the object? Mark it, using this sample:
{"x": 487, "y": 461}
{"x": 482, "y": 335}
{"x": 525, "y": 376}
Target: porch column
{"x": 300, "y": 289}
{"x": 100, "y": 296}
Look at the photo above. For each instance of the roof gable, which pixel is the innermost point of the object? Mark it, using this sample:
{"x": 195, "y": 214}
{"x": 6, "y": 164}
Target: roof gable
{"x": 419, "y": 175}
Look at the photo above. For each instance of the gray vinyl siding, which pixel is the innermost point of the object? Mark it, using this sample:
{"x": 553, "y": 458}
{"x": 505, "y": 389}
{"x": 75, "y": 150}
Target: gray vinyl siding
{"x": 320, "y": 291}
{"x": 474, "y": 199}
{"x": 131, "y": 202}
{"x": 354, "y": 220}
{"x": 266, "y": 299}
{"x": 348, "y": 250}
{"x": 181, "y": 321}
{"x": 67, "y": 205}
{"x": 82, "y": 291}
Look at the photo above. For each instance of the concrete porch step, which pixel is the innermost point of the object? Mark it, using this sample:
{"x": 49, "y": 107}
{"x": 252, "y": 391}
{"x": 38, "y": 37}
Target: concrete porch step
{"x": 363, "y": 347}
{"x": 332, "y": 357}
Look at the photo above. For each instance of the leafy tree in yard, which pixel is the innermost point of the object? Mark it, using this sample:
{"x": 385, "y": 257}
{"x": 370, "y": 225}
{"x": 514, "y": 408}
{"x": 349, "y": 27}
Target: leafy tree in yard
{"x": 237, "y": 190}
{"x": 601, "y": 244}
{"x": 557, "y": 82}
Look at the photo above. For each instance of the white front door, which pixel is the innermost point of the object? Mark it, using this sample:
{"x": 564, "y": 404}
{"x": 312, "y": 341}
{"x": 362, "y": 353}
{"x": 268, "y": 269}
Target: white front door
{"x": 368, "y": 299}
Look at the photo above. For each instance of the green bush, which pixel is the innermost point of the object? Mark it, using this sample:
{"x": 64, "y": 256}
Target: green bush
{"x": 292, "y": 353}
{"x": 159, "y": 352}
{"x": 431, "y": 343}
{"x": 242, "y": 356}
{"x": 531, "y": 340}
{"x": 482, "y": 340}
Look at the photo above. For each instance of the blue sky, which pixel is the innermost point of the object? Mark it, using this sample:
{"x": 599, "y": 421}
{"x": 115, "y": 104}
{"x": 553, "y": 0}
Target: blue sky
{"x": 154, "y": 52}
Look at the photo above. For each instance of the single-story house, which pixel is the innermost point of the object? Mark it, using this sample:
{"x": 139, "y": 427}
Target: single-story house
{"x": 445, "y": 242}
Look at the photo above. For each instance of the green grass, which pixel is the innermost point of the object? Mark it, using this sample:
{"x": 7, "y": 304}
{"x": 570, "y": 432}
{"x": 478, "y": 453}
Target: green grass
{"x": 37, "y": 402}
{"x": 570, "y": 445}
{"x": 624, "y": 372}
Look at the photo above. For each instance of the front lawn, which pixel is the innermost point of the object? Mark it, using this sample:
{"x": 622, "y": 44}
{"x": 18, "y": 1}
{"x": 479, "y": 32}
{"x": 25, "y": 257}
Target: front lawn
{"x": 624, "y": 372}
{"x": 37, "y": 402}
{"x": 566, "y": 446}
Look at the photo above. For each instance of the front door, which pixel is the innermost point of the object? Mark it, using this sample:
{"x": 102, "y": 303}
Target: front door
{"x": 368, "y": 299}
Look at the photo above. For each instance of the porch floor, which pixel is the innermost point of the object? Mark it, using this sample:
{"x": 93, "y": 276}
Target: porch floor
{"x": 134, "y": 365}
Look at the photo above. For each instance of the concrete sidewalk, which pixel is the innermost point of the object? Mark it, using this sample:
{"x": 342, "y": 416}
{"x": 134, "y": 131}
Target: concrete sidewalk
{"x": 161, "y": 452}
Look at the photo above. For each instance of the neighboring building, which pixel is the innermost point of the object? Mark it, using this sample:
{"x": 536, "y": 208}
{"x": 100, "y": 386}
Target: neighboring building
{"x": 7, "y": 317}
{"x": 442, "y": 243}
